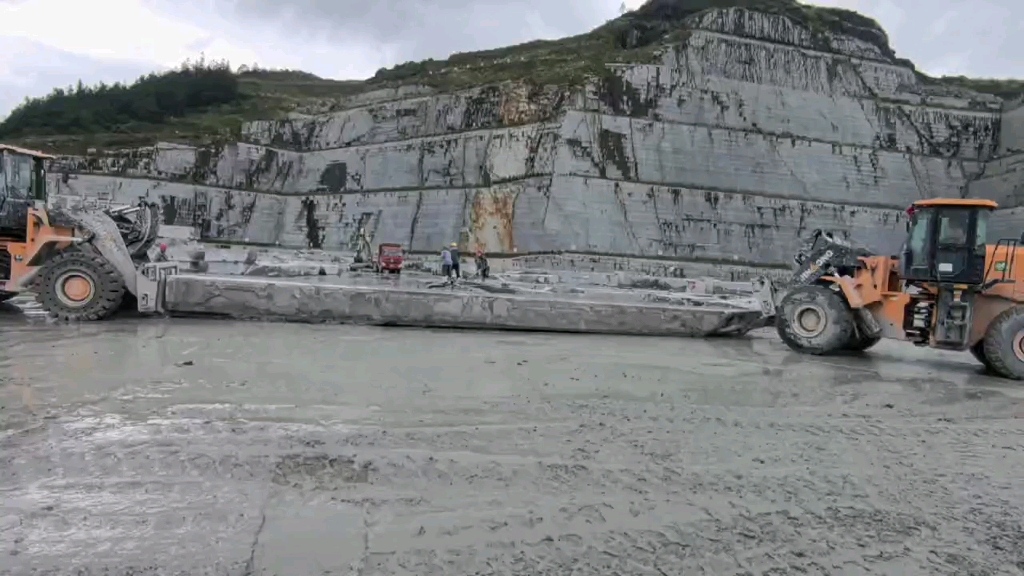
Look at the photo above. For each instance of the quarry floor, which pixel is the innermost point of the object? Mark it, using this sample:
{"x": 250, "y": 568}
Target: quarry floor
{"x": 208, "y": 447}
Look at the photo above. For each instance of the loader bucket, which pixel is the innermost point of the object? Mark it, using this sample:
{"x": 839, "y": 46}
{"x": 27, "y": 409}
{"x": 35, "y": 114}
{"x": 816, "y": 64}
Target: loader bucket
{"x": 106, "y": 238}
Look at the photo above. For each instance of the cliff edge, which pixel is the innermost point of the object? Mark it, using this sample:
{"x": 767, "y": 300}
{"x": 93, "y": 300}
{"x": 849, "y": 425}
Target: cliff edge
{"x": 717, "y": 132}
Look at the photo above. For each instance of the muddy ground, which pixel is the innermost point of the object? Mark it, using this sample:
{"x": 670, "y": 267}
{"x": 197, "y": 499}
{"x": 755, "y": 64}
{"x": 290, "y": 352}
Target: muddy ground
{"x": 204, "y": 447}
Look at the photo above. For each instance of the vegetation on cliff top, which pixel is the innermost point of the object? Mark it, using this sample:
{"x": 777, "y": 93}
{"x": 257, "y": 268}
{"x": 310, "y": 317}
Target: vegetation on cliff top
{"x": 634, "y": 37}
{"x": 202, "y": 102}
{"x": 152, "y": 100}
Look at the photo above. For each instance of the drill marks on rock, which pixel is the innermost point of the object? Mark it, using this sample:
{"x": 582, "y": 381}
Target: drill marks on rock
{"x": 735, "y": 21}
{"x": 806, "y": 191}
{"x": 627, "y": 224}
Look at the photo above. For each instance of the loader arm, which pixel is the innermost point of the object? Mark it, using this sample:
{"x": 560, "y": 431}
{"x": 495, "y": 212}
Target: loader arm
{"x": 104, "y": 236}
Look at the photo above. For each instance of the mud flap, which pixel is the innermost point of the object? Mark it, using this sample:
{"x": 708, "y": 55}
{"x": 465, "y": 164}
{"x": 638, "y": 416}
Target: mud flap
{"x": 867, "y": 324}
{"x": 106, "y": 239}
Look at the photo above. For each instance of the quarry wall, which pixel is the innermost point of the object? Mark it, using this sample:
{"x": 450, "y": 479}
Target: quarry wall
{"x": 744, "y": 138}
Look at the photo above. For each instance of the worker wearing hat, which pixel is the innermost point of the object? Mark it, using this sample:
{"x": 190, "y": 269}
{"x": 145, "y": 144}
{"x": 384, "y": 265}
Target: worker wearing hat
{"x": 454, "y": 250}
{"x": 446, "y": 262}
{"x": 161, "y": 256}
{"x": 483, "y": 268}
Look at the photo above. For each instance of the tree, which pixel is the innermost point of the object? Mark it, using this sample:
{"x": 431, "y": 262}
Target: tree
{"x": 152, "y": 99}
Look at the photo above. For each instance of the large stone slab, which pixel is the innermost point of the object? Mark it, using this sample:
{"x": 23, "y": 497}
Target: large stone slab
{"x": 250, "y": 298}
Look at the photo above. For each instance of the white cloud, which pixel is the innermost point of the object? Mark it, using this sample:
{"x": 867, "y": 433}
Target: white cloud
{"x": 31, "y": 69}
{"x": 113, "y": 29}
{"x": 55, "y": 42}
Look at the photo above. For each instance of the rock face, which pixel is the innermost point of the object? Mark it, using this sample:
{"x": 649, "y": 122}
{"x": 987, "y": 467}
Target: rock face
{"x": 748, "y": 134}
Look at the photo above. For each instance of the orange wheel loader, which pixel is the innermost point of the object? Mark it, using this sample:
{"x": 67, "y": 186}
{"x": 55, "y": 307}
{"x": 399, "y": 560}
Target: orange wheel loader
{"x": 948, "y": 288}
{"x": 80, "y": 263}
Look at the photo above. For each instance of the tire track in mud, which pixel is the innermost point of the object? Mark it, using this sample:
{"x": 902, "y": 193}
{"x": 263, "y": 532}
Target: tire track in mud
{"x": 582, "y": 487}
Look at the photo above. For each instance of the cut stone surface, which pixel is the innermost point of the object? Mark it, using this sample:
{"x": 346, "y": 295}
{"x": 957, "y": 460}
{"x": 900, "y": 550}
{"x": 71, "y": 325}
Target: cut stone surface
{"x": 730, "y": 148}
{"x": 251, "y": 298}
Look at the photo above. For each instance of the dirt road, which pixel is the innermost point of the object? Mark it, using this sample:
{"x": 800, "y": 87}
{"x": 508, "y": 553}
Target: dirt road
{"x": 240, "y": 448}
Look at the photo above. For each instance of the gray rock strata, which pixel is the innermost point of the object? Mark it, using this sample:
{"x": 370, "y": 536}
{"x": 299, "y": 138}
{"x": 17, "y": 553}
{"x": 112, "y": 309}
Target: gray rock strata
{"x": 747, "y": 135}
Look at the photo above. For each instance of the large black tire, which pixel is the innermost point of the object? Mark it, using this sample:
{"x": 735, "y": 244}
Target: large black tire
{"x": 5, "y": 274}
{"x": 815, "y": 320}
{"x": 860, "y": 343}
{"x": 100, "y": 289}
{"x": 5, "y": 264}
{"x": 1004, "y": 344}
{"x": 978, "y": 351}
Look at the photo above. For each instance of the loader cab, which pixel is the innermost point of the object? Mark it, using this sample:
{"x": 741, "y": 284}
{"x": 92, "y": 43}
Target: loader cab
{"x": 946, "y": 241}
{"x": 22, "y": 184}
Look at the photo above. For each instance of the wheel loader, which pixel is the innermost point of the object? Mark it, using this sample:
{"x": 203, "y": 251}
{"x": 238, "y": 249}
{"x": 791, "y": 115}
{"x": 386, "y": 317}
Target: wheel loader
{"x": 948, "y": 289}
{"x": 80, "y": 262}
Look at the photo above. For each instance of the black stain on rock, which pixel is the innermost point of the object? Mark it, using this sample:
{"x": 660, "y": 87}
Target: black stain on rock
{"x": 265, "y": 165}
{"x": 482, "y": 109}
{"x": 314, "y": 233}
{"x": 623, "y": 98}
{"x": 613, "y": 147}
{"x": 335, "y": 177}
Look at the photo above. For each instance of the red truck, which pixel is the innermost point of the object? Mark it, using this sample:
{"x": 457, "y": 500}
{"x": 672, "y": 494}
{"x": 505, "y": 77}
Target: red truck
{"x": 390, "y": 258}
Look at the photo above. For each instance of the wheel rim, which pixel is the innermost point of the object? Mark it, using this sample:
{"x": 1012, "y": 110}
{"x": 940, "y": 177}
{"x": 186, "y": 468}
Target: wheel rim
{"x": 809, "y": 320}
{"x": 75, "y": 289}
{"x": 1018, "y": 345}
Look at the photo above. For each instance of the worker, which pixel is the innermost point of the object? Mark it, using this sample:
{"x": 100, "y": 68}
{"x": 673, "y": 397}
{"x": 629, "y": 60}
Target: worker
{"x": 482, "y": 267}
{"x": 446, "y": 262}
{"x": 455, "y": 259}
{"x": 161, "y": 256}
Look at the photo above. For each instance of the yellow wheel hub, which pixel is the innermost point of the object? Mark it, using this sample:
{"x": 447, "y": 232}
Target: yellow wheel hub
{"x": 1018, "y": 345}
{"x": 75, "y": 289}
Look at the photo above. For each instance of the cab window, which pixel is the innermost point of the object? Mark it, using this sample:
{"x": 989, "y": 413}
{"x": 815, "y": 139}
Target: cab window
{"x": 918, "y": 241}
{"x": 982, "y": 238}
{"x": 954, "y": 225}
{"x": 18, "y": 169}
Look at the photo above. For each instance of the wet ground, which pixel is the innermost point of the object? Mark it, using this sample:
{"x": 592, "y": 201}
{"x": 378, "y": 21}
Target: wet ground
{"x": 204, "y": 447}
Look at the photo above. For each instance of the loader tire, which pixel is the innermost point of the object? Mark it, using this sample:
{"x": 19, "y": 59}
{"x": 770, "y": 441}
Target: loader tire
{"x": 5, "y": 274}
{"x": 815, "y": 320}
{"x": 859, "y": 343}
{"x": 5, "y": 264}
{"x": 978, "y": 351}
{"x": 1004, "y": 344}
{"x": 77, "y": 286}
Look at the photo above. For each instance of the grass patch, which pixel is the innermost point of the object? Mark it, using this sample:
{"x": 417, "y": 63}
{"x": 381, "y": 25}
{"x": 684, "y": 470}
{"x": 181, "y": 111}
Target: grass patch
{"x": 1005, "y": 88}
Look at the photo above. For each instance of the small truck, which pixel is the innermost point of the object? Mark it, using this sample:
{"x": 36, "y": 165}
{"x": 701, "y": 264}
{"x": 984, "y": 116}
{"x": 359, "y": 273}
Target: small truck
{"x": 390, "y": 257}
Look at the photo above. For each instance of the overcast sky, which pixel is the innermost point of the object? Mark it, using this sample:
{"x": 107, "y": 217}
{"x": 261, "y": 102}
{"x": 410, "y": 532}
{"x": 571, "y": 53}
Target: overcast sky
{"x": 47, "y": 43}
